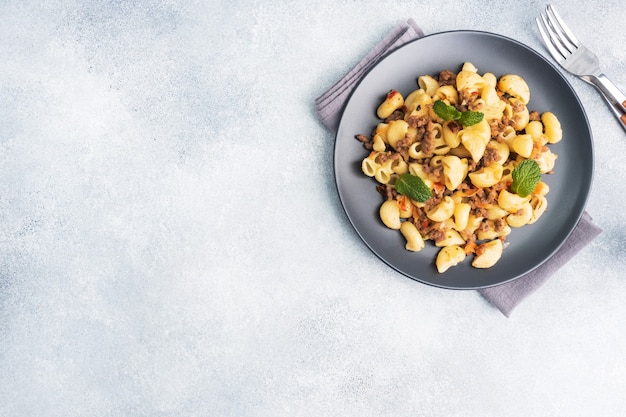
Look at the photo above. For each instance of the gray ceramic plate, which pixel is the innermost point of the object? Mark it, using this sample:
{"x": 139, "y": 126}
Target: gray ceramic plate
{"x": 529, "y": 246}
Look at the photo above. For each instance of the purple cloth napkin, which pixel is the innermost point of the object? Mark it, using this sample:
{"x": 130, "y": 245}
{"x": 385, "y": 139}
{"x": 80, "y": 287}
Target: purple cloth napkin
{"x": 330, "y": 105}
{"x": 505, "y": 297}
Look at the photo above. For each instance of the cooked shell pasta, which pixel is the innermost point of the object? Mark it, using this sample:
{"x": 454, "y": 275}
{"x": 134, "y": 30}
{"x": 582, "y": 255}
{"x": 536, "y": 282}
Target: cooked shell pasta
{"x": 511, "y": 202}
{"x": 552, "y": 127}
{"x": 451, "y": 237}
{"x": 447, "y": 93}
{"x": 521, "y": 217}
{"x": 384, "y": 172}
{"x": 449, "y": 256}
{"x": 416, "y": 103}
{"x": 414, "y": 240}
{"x": 454, "y": 171}
{"x": 475, "y": 139}
{"x": 487, "y": 176}
{"x": 515, "y": 86}
{"x": 539, "y": 205}
{"x": 546, "y": 161}
{"x": 428, "y": 84}
{"x": 397, "y": 131}
{"x": 390, "y": 214}
{"x": 442, "y": 211}
{"x": 467, "y": 163}
{"x": 492, "y": 230}
{"x": 523, "y": 145}
{"x": 461, "y": 215}
{"x": 393, "y": 102}
{"x": 488, "y": 254}
{"x": 519, "y": 113}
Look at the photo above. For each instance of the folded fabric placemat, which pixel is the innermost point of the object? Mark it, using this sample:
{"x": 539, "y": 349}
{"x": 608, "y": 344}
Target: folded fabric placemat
{"x": 329, "y": 107}
{"x": 508, "y": 295}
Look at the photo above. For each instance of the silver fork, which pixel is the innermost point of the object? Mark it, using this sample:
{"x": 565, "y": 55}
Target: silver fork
{"x": 578, "y": 60}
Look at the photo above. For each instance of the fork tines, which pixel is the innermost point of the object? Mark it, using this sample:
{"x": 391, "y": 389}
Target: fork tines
{"x": 559, "y": 39}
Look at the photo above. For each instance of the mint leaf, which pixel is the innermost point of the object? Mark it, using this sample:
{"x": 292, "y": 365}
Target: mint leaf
{"x": 445, "y": 111}
{"x": 469, "y": 118}
{"x": 526, "y": 176}
{"x": 466, "y": 118}
{"x": 413, "y": 187}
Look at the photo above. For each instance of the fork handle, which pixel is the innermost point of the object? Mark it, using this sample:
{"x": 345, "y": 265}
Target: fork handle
{"x": 615, "y": 98}
{"x": 621, "y": 116}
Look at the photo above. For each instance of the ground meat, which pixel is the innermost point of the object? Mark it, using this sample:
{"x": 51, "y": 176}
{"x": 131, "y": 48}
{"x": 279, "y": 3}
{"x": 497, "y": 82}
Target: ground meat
{"x": 534, "y": 116}
{"x": 474, "y": 104}
{"x": 426, "y": 166}
{"x": 387, "y": 191}
{"x": 388, "y": 156}
{"x": 446, "y": 77}
{"x": 466, "y": 97}
{"x": 499, "y": 225}
{"x": 428, "y": 141}
{"x": 432, "y": 202}
{"x": 470, "y": 238}
{"x": 499, "y": 126}
{"x": 479, "y": 212}
{"x": 437, "y": 171}
{"x": 454, "y": 126}
{"x": 420, "y": 220}
{"x": 499, "y": 187}
{"x": 396, "y": 115}
{"x": 518, "y": 106}
{"x": 418, "y": 121}
{"x": 463, "y": 186}
{"x": 492, "y": 196}
{"x": 484, "y": 227}
{"x": 437, "y": 235}
{"x": 490, "y": 156}
{"x": 484, "y": 197}
{"x": 402, "y": 147}
{"x": 367, "y": 142}
{"x": 383, "y": 157}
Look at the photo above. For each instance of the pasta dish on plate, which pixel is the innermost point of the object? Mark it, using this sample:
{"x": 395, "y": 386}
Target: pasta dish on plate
{"x": 459, "y": 161}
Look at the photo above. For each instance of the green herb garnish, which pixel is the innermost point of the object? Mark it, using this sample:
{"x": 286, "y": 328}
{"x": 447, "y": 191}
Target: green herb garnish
{"x": 469, "y": 118}
{"x": 413, "y": 187}
{"x": 526, "y": 176}
{"x": 447, "y": 112}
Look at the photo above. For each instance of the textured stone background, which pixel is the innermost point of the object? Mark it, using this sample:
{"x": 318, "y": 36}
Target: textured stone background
{"x": 171, "y": 241}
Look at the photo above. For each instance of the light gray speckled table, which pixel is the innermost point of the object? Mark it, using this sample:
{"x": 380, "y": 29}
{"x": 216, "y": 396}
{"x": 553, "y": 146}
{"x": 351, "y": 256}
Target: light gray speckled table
{"x": 172, "y": 243}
